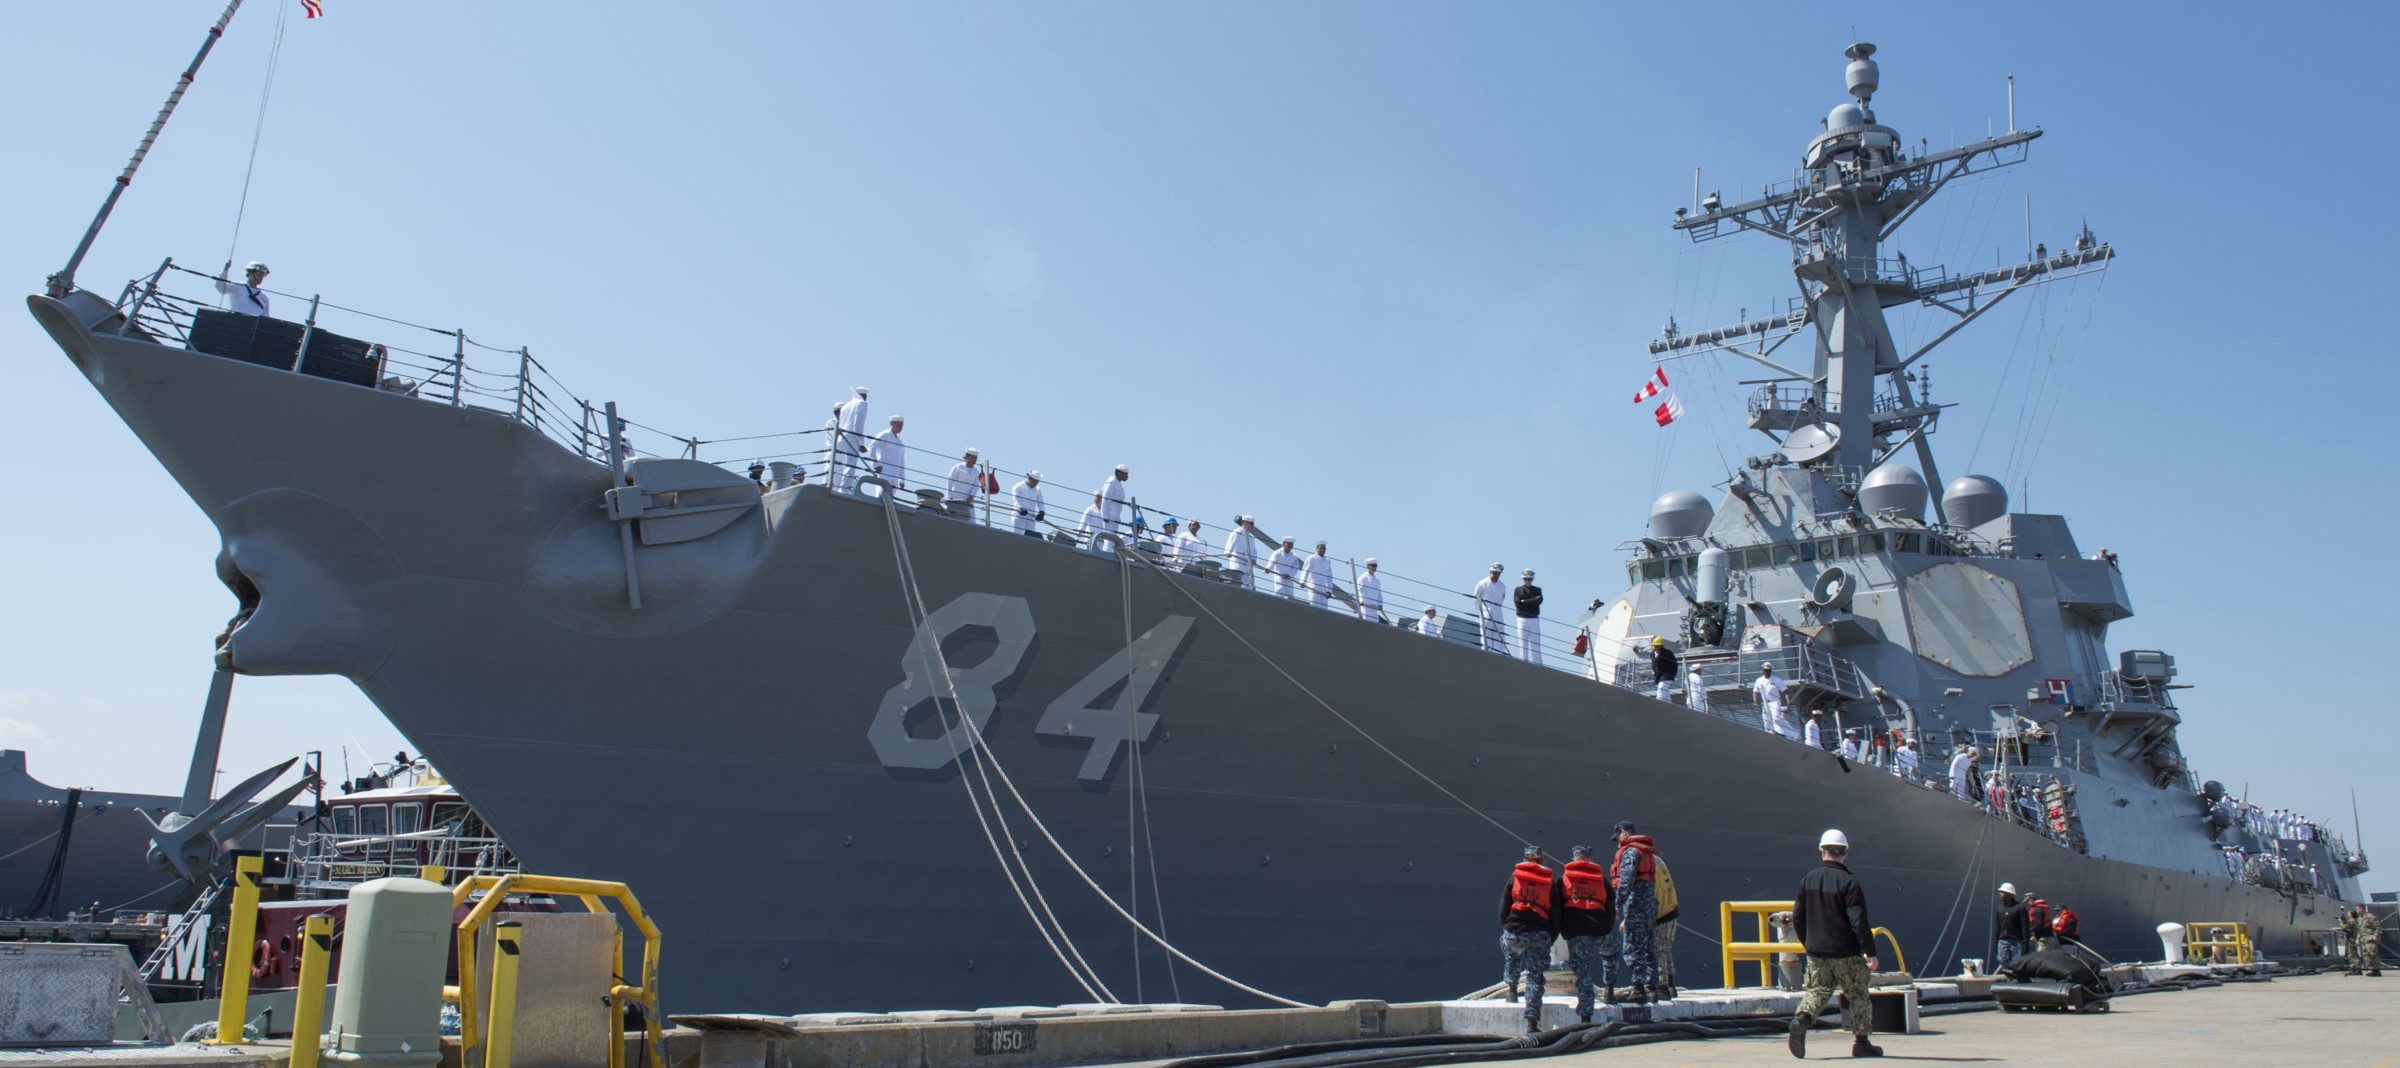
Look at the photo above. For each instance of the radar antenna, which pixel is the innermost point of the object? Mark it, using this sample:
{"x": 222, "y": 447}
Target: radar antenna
{"x": 1856, "y": 185}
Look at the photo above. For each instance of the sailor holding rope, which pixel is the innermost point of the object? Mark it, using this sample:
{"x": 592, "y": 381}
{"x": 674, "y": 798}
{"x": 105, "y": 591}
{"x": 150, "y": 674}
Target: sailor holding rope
{"x": 1028, "y": 494}
{"x": 248, "y": 296}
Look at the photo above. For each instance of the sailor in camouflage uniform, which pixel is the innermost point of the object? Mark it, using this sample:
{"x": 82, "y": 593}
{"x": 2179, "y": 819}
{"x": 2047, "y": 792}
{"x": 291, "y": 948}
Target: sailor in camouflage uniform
{"x": 1586, "y": 923}
{"x": 1636, "y": 896}
{"x": 1829, "y": 916}
{"x": 1530, "y": 906}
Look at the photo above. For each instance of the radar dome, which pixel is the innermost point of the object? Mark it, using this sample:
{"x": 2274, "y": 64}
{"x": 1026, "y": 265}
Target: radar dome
{"x": 1845, "y": 116}
{"x": 1973, "y": 500}
{"x": 1680, "y": 514}
{"x": 1894, "y": 488}
{"x": 1862, "y": 76}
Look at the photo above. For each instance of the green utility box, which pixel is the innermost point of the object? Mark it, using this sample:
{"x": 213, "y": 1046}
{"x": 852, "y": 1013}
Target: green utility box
{"x": 387, "y": 1010}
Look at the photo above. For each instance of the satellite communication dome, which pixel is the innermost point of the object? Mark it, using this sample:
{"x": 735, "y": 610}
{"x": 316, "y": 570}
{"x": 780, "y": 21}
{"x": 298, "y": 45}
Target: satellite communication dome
{"x": 1895, "y": 488}
{"x": 1973, "y": 500}
{"x": 1846, "y": 115}
{"x": 1680, "y": 514}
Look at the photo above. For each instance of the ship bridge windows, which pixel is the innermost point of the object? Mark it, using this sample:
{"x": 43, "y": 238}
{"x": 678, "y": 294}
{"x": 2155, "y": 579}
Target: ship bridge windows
{"x": 1785, "y": 553}
{"x": 373, "y": 820}
{"x": 1654, "y": 569}
{"x": 407, "y": 819}
{"x": 345, "y": 820}
{"x": 1845, "y": 547}
{"x": 1904, "y": 543}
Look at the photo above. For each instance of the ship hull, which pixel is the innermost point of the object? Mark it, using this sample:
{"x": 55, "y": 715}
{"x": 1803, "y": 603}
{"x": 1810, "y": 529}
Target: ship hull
{"x": 1321, "y": 807}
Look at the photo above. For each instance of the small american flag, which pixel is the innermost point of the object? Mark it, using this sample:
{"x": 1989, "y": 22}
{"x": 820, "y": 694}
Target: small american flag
{"x": 312, "y": 8}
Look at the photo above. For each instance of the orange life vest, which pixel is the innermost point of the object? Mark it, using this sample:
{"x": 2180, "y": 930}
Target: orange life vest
{"x": 1645, "y": 868}
{"x": 1587, "y": 885}
{"x": 1529, "y": 890}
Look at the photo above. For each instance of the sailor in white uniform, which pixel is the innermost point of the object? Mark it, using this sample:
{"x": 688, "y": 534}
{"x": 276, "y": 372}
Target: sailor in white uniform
{"x": 1769, "y": 691}
{"x": 1317, "y": 573}
{"x": 248, "y": 296}
{"x": 1370, "y": 594}
{"x": 889, "y": 456}
{"x": 1850, "y": 750}
{"x": 1814, "y": 732}
{"x": 1112, "y": 502}
{"x": 1286, "y": 565}
{"x": 1429, "y": 626}
{"x": 1695, "y": 691}
{"x": 1490, "y": 594}
{"x": 1192, "y": 548}
{"x": 1028, "y": 495}
{"x": 1241, "y": 553}
{"x": 1962, "y": 773}
{"x": 850, "y": 449}
{"x": 1170, "y": 544}
{"x": 966, "y": 483}
{"x": 1904, "y": 761}
{"x": 1093, "y": 522}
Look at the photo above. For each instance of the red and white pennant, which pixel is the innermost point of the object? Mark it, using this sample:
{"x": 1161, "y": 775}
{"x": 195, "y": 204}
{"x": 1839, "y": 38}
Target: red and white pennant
{"x": 1658, "y": 381}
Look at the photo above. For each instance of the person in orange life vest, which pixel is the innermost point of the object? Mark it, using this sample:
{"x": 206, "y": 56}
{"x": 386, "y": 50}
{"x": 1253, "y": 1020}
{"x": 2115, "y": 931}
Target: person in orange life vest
{"x": 1633, "y": 888}
{"x": 1586, "y": 923}
{"x": 1530, "y": 906}
{"x": 2037, "y": 923}
{"x": 2065, "y": 924}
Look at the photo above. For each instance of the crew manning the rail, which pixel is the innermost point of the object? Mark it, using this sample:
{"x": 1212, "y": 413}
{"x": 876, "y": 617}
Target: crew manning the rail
{"x": 1194, "y": 547}
{"x": 1112, "y": 502}
{"x": 1529, "y": 912}
{"x": 1529, "y": 619}
{"x": 1635, "y": 891}
{"x": 1317, "y": 572}
{"x": 966, "y": 483}
{"x": 1769, "y": 691}
{"x": 1488, "y": 598}
{"x": 1286, "y": 565}
{"x": 1662, "y": 668}
{"x": 1370, "y": 594}
{"x": 1829, "y": 914}
{"x": 889, "y": 458}
{"x": 1241, "y": 552}
{"x": 1586, "y": 924}
{"x": 1027, "y": 496}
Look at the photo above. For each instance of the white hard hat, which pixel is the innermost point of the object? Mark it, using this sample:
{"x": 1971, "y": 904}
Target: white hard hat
{"x": 1528, "y": 573}
{"x": 1495, "y": 567}
{"x": 1034, "y": 475}
{"x": 1832, "y": 839}
{"x": 1370, "y": 561}
{"x": 2008, "y": 888}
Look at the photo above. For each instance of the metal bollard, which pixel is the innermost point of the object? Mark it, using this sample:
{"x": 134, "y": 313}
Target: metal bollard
{"x": 308, "y": 1002}
{"x": 233, "y": 993}
{"x": 504, "y": 993}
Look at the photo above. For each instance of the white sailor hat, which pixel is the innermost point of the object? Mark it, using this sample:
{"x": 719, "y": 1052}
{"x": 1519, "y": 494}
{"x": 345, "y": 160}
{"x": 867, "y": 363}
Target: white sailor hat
{"x": 1495, "y": 569}
{"x": 1244, "y": 519}
{"x": 261, "y": 268}
{"x": 1122, "y": 470}
{"x": 1527, "y": 573}
{"x": 1370, "y": 561}
{"x": 1034, "y": 475}
{"x": 896, "y": 417}
{"x": 1320, "y": 543}
{"x": 971, "y": 451}
{"x": 860, "y": 390}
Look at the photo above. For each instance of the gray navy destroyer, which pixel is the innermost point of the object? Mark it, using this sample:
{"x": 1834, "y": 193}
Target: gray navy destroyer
{"x": 860, "y": 750}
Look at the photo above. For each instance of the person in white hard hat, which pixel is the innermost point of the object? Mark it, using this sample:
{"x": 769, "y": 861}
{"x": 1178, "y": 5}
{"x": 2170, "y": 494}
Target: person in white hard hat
{"x": 1370, "y": 594}
{"x": 1528, "y": 598}
{"x": 1028, "y": 499}
{"x": 1112, "y": 502}
{"x": 1286, "y": 566}
{"x": 1490, "y": 594}
{"x": 1316, "y": 573}
{"x": 248, "y": 296}
{"x": 889, "y": 457}
{"x": 1829, "y": 917}
{"x": 2008, "y": 927}
{"x": 1241, "y": 552}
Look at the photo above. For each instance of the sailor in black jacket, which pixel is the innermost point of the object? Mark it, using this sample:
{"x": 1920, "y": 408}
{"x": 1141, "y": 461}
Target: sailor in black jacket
{"x": 1829, "y": 915}
{"x": 1529, "y": 620}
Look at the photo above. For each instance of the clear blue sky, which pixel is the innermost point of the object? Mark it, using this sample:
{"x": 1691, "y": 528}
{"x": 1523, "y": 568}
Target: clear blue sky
{"x": 1380, "y": 273}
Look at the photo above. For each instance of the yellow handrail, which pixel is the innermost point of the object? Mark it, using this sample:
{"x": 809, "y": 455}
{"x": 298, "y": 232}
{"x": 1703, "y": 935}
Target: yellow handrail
{"x": 496, "y": 888}
{"x": 1900, "y": 962}
{"x": 1761, "y": 950}
{"x": 308, "y": 1002}
{"x": 233, "y": 987}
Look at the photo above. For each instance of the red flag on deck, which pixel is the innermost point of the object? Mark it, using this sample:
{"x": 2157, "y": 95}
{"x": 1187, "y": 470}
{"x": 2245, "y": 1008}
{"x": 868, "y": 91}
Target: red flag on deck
{"x": 1658, "y": 381}
{"x": 311, "y": 8}
{"x": 1669, "y": 411}
{"x": 991, "y": 482}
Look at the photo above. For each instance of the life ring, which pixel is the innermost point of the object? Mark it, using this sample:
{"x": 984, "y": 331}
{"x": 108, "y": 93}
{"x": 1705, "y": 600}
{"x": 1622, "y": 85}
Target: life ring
{"x": 262, "y": 960}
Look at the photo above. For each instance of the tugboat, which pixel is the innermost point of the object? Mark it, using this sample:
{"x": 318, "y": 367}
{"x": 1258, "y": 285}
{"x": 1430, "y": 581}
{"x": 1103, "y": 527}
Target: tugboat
{"x": 1170, "y": 776}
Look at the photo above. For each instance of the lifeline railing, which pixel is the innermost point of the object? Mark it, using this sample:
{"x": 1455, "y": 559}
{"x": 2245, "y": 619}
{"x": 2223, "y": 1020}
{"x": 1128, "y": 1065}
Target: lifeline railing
{"x": 592, "y": 892}
{"x": 2212, "y": 937}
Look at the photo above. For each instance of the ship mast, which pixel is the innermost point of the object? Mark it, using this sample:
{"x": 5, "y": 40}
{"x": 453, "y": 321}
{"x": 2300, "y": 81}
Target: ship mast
{"x": 1853, "y": 408}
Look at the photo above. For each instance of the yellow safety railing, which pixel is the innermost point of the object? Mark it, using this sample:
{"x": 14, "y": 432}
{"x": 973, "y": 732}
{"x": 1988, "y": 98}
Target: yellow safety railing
{"x": 233, "y": 989}
{"x": 308, "y": 1002}
{"x": 591, "y": 892}
{"x": 1761, "y": 951}
{"x": 504, "y": 995}
{"x": 2199, "y": 937}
